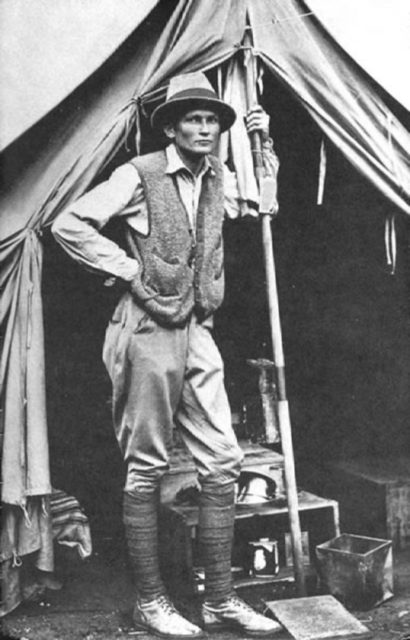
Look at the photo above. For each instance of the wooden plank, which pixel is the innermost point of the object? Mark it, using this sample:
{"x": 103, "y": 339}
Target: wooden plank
{"x": 307, "y": 502}
{"x": 318, "y": 618}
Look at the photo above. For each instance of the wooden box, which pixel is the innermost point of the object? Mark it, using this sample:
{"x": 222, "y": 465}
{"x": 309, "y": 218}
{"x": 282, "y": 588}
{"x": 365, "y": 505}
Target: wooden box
{"x": 318, "y": 516}
{"x": 374, "y": 497}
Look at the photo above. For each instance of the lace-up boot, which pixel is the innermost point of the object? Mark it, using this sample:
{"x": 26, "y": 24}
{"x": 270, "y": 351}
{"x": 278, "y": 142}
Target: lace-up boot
{"x": 234, "y": 613}
{"x": 159, "y": 616}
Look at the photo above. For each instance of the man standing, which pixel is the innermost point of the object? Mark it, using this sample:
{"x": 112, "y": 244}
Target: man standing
{"x": 164, "y": 365}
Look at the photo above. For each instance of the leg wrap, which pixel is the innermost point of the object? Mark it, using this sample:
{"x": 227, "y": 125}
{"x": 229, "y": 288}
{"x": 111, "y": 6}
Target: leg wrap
{"x": 141, "y": 530}
{"x": 216, "y": 525}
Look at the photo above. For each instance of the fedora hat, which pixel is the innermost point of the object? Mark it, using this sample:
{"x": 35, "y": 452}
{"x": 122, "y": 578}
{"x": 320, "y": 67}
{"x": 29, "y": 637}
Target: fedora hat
{"x": 191, "y": 91}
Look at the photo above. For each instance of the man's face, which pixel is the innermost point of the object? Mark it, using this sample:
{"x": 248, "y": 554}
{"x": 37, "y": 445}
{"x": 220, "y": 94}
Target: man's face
{"x": 196, "y": 133}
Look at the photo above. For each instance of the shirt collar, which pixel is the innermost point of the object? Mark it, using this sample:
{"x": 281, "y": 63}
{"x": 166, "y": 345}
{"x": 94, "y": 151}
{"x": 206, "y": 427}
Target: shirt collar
{"x": 175, "y": 163}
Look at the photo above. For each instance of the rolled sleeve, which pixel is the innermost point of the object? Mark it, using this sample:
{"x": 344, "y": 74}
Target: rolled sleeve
{"x": 244, "y": 181}
{"x": 270, "y": 159}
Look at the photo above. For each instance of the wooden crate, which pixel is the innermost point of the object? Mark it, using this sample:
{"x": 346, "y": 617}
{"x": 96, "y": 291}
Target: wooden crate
{"x": 374, "y": 497}
{"x": 318, "y": 516}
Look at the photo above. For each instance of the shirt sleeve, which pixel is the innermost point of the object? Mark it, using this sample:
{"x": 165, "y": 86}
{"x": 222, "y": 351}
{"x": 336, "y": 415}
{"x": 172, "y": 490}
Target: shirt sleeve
{"x": 232, "y": 200}
{"x": 231, "y": 194}
{"x": 78, "y": 227}
{"x": 270, "y": 159}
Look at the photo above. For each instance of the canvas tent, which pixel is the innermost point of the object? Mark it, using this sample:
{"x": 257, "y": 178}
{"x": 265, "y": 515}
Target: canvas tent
{"x": 164, "y": 38}
{"x": 369, "y": 38}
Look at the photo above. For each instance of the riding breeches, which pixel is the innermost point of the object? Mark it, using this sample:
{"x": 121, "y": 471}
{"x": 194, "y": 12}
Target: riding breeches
{"x": 162, "y": 377}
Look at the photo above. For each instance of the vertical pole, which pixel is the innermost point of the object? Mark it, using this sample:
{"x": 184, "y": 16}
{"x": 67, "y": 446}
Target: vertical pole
{"x": 276, "y": 336}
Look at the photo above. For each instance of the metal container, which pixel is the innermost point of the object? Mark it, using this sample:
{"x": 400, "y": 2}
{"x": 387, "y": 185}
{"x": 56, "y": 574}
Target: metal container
{"x": 264, "y": 558}
{"x": 357, "y": 570}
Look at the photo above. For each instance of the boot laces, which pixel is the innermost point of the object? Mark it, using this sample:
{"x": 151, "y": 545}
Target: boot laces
{"x": 166, "y": 604}
{"x": 241, "y": 603}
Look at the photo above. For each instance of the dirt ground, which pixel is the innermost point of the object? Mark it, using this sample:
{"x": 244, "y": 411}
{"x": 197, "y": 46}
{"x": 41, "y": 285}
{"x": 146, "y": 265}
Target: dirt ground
{"x": 96, "y": 600}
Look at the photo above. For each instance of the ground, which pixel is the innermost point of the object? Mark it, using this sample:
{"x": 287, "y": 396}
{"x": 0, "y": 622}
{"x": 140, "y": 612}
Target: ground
{"x": 96, "y": 599}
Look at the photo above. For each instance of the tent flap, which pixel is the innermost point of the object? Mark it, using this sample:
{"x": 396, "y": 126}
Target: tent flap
{"x": 376, "y": 35}
{"x": 25, "y": 464}
{"x": 37, "y": 76}
{"x": 341, "y": 100}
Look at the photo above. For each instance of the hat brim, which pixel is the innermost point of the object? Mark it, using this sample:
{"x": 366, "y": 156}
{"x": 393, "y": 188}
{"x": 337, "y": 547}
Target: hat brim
{"x": 166, "y": 112}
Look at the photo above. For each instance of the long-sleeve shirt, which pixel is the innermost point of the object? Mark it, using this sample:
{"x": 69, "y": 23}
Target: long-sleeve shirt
{"x": 78, "y": 227}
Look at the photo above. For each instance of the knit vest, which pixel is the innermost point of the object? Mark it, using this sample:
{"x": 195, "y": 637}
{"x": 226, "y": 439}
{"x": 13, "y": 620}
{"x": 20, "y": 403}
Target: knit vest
{"x": 180, "y": 270}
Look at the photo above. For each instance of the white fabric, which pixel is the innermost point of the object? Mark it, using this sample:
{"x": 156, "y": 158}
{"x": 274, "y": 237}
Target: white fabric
{"x": 376, "y": 34}
{"x": 48, "y": 47}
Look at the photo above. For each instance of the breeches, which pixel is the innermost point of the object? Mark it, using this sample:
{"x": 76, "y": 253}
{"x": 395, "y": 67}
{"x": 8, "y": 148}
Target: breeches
{"x": 162, "y": 377}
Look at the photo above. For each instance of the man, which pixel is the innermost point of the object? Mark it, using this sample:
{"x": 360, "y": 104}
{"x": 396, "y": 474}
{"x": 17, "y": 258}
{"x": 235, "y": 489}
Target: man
{"x": 159, "y": 352}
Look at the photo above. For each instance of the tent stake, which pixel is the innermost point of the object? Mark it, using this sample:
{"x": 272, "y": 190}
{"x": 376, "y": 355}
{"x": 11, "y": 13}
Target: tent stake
{"x": 276, "y": 335}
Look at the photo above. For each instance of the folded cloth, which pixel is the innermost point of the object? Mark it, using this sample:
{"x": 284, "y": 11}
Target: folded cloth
{"x": 69, "y": 523}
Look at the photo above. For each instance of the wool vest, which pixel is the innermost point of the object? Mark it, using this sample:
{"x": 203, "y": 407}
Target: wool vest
{"x": 180, "y": 270}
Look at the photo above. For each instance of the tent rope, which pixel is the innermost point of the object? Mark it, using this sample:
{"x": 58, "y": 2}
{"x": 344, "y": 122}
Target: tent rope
{"x": 138, "y": 128}
{"x": 280, "y": 20}
{"x": 300, "y": 15}
{"x": 153, "y": 95}
{"x": 322, "y": 173}
{"x": 133, "y": 116}
{"x": 17, "y": 561}
{"x": 390, "y": 241}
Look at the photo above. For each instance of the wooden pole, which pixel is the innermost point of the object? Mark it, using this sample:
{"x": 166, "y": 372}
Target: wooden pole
{"x": 276, "y": 337}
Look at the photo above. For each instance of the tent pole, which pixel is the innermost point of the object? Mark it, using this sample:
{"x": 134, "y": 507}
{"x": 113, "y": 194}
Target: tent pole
{"x": 276, "y": 336}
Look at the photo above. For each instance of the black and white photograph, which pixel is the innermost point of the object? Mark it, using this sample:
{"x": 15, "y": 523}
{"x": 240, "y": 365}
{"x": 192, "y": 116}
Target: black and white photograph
{"x": 205, "y": 319}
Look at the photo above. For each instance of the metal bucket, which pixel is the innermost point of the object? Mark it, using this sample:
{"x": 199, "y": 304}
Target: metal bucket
{"x": 357, "y": 570}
